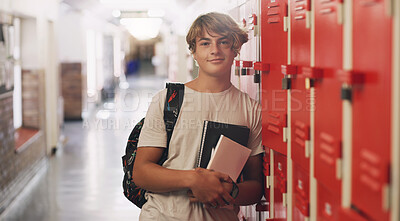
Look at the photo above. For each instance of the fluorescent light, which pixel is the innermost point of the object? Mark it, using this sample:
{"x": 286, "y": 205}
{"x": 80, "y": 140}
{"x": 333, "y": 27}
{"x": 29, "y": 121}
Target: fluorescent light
{"x": 142, "y": 28}
{"x": 116, "y": 13}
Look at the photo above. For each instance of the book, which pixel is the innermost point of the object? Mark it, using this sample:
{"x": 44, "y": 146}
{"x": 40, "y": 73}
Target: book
{"x": 229, "y": 157}
{"x": 211, "y": 133}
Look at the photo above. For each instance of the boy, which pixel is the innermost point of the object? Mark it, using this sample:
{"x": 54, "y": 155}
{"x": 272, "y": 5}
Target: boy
{"x": 179, "y": 191}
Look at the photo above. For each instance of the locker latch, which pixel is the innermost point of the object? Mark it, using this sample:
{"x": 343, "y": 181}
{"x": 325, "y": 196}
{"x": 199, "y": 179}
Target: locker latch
{"x": 346, "y": 93}
{"x": 260, "y": 67}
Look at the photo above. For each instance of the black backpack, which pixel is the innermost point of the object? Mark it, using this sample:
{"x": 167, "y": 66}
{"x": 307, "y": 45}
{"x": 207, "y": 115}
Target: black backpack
{"x": 172, "y": 106}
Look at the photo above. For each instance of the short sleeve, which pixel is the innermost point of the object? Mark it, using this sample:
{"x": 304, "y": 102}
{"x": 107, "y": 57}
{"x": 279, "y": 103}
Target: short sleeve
{"x": 255, "y": 129}
{"x": 153, "y": 132}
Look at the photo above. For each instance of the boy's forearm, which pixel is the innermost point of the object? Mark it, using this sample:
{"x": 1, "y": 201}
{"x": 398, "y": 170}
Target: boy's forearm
{"x": 250, "y": 192}
{"x": 155, "y": 178}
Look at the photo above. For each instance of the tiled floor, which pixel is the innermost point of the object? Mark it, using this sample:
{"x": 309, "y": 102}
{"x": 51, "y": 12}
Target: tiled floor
{"x": 83, "y": 180}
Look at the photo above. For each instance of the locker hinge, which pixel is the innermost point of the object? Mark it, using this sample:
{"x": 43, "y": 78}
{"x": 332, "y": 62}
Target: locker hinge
{"x": 268, "y": 181}
{"x": 307, "y": 146}
{"x": 285, "y": 134}
{"x": 386, "y": 193}
{"x": 340, "y": 14}
{"x": 339, "y": 168}
{"x": 285, "y": 24}
{"x": 308, "y": 19}
{"x": 389, "y": 7}
{"x": 284, "y": 199}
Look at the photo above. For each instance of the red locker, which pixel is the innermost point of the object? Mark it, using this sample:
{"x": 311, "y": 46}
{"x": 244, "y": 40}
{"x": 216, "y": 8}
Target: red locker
{"x": 274, "y": 54}
{"x": 301, "y": 193}
{"x": 300, "y": 123}
{"x": 280, "y": 186}
{"x": 328, "y": 103}
{"x": 328, "y": 34}
{"x": 328, "y": 131}
{"x": 372, "y": 38}
{"x": 328, "y": 204}
{"x": 300, "y": 22}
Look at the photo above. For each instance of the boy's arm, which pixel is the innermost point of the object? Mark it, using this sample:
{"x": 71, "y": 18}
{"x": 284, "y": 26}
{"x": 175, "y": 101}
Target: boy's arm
{"x": 206, "y": 185}
{"x": 251, "y": 190}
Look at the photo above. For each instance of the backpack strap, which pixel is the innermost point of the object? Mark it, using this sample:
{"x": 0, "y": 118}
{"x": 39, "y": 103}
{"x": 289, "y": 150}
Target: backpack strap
{"x": 172, "y": 106}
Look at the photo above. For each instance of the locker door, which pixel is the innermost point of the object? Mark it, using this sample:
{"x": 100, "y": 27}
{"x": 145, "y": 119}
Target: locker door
{"x": 328, "y": 205}
{"x": 328, "y": 34}
{"x": 300, "y": 111}
{"x": 301, "y": 193}
{"x": 328, "y": 132}
{"x": 328, "y": 104}
{"x": 280, "y": 186}
{"x": 372, "y": 37}
{"x": 274, "y": 53}
{"x": 300, "y": 21}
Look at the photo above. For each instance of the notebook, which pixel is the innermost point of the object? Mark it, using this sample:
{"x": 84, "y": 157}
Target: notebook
{"x": 229, "y": 157}
{"x": 211, "y": 133}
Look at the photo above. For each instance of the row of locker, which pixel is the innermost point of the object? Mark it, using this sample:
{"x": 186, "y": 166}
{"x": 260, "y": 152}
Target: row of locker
{"x": 326, "y": 73}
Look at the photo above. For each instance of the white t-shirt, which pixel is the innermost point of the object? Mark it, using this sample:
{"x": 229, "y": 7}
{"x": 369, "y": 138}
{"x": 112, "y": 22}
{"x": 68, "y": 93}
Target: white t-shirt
{"x": 230, "y": 106}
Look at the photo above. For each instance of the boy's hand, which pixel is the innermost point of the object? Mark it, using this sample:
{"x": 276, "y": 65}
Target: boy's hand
{"x": 211, "y": 188}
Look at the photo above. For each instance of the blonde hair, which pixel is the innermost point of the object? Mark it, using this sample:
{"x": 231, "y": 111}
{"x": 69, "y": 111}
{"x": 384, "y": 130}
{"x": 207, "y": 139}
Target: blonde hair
{"x": 218, "y": 23}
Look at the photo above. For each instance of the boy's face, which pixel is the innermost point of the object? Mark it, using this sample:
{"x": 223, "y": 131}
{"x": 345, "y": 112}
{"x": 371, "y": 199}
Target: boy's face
{"x": 214, "y": 54}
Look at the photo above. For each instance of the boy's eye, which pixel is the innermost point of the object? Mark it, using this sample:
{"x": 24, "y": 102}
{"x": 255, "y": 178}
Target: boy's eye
{"x": 204, "y": 43}
{"x": 225, "y": 42}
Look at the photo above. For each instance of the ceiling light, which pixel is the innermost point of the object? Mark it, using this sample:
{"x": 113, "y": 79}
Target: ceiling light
{"x": 116, "y": 13}
{"x": 142, "y": 28}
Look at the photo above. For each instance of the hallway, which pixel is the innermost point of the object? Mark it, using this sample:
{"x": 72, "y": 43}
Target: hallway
{"x": 82, "y": 182}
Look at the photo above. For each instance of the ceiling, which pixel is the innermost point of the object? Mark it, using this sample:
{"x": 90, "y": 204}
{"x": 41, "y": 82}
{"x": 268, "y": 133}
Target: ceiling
{"x": 104, "y": 8}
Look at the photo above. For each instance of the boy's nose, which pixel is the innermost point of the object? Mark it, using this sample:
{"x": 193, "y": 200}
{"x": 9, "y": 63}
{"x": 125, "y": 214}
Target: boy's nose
{"x": 215, "y": 48}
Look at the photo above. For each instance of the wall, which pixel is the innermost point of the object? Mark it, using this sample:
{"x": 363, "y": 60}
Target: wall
{"x": 37, "y": 51}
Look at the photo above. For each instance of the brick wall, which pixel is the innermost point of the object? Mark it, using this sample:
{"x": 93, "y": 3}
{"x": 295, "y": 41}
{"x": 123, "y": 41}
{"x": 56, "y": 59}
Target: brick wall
{"x": 16, "y": 169}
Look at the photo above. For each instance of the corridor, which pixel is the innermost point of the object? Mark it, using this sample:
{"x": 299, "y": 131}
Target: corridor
{"x": 82, "y": 182}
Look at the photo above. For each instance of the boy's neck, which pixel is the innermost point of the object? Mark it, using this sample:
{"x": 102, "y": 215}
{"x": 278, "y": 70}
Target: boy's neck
{"x": 209, "y": 84}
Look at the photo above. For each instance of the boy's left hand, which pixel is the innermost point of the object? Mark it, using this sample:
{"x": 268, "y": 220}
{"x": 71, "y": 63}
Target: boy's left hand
{"x": 227, "y": 186}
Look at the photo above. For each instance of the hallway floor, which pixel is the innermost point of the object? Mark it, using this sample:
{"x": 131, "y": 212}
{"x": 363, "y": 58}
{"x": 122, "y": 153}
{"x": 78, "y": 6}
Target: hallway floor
{"x": 83, "y": 181}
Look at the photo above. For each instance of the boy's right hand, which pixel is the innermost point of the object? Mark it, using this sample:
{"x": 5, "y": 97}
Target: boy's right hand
{"x": 208, "y": 188}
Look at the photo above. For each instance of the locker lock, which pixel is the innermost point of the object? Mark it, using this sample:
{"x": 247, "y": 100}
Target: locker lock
{"x": 346, "y": 93}
{"x": 257, "y": 77}
{"x": 286, "y": 83}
